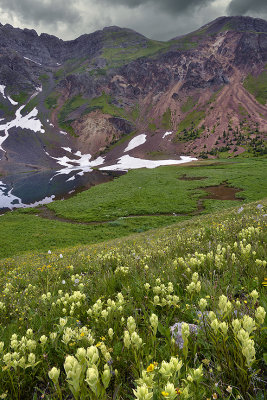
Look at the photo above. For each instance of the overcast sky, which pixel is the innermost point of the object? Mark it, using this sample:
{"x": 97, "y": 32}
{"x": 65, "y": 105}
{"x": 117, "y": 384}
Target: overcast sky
{"x": 157, "y": 19}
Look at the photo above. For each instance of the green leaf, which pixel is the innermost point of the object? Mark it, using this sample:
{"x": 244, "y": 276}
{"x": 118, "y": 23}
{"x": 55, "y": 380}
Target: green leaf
{"x": 164, "y": 331}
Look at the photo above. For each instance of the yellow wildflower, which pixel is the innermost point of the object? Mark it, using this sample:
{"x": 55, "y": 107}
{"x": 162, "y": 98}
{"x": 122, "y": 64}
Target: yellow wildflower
{"x": 150, "y": 368}
{"x": 165, "y": 394}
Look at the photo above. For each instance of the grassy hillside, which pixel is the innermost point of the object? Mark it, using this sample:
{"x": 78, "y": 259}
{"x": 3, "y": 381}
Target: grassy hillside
{"x": 257, "y": 85}
{"x": 136, "y": 202}
{"x": 93, "y": 322}
{"x": 142, "y": 192}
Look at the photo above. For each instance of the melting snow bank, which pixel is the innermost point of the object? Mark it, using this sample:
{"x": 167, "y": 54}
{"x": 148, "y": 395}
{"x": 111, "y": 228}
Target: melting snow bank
{"x": 135, "y": 142}
{"x": 127, "y": 162}
{"x": 27, "y": 121}
{"x": 38, "y": 90}
{"x": 8, "y": 200}
{"x": 2, "y": 91}
{"x": 35, "y": 62}
{"x": 166, "y": 134}
{"x": 82, "y": 164}
{"x": 14, "y": 103}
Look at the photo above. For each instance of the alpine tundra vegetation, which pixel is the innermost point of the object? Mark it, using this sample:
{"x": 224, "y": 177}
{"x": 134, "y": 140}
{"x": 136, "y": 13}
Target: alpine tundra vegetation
{"x": 175, "y": 313}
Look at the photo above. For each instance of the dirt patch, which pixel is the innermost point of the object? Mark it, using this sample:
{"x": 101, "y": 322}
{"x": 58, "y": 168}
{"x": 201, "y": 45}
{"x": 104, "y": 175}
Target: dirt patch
{"x": 192, "y": 178}
{"x": 46, "y": 213}
{"x": 222, "y": 192}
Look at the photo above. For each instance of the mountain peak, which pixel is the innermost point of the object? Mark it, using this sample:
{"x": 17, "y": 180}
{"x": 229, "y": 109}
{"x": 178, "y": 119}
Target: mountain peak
{"x": 236, "y": 23}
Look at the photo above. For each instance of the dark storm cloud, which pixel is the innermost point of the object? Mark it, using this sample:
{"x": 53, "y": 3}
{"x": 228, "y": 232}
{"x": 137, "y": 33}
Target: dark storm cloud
{"x": 49, "y": 11}
{"x": 157, "y": 19}
{"x": 241, "y": 7}
{"x": 169, "y": 6}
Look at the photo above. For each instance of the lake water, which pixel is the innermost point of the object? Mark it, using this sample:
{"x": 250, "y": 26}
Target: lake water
{"x": 31, "y": 189}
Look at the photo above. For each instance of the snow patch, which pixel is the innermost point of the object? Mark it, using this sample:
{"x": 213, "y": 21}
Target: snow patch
{"x": 7, "y": 199}
{"x": 29, "y": 59}
{"x": 135, "y": 142}
{"x": 37, "y": 91}
{"x": 2, "y": 90}
{"x": 14, "y": 103}
{"x": 46, "y": 200}
{"x": 166, "y": 134}
{"x": 67, "y": 149}
{"x": 72, "y": 178}
{"x": 127, "y": 162}
{"x": 27, "y": 121}
{"x": 78, "y": 166}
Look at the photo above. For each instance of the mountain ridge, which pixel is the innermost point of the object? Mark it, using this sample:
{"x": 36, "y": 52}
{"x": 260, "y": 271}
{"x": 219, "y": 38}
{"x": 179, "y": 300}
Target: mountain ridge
{"x": 208, "y": 87}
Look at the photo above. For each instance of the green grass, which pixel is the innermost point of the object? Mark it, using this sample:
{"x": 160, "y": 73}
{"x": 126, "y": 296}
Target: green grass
{"x": 191, "y": 121}
{"x": 135, "y": 112}
{"x": 30, "y": 105}
{"x": 59, "y": 73}
{"x": 188, "y": 104}
{"x": 21, "y": 98}
{"x": 152, "y": 126}
{"x": 186, "y": 43}
{"x": 21, "y": 232}
{"x": 104, "y": 103}
{"x": 51, "y": 100}
{"x": 71, "y": 66}
{"x": 140, "y": 192}
{"x": 166, "y": 121}
{"x": 160, "y": 190}
{"x": 257, "y": 85}
{"x": 118, "y": 56}
{"x": 89, "y": 295}
{"x": 44, "y": 78}
{"x": 71, "y": 105}
{"x": 6, "y": 109}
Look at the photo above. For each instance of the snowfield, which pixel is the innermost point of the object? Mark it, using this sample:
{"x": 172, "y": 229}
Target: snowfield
{"x": 29, "y": 59}
{"x": 83, "y": 163}
{"x": 166, "y": 134}
{"x": 127, "y": 162}
{"x": 28, "y": 121}
{"x": 135, "y": 142}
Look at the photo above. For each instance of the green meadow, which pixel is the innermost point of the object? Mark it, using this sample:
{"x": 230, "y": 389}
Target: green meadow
{"x": 136, "y": 202}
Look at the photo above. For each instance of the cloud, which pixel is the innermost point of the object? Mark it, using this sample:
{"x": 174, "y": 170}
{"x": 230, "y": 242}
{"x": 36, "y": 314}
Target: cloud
{"x": 156, "y": 19}
{"x": 168, "y": 6}
{"x": 241, "y": 7}
{"x": 40, "y": 11}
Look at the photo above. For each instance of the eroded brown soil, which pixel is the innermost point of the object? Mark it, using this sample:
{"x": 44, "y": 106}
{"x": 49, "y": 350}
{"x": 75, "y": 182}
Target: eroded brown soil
{"x": 222, "y": 192}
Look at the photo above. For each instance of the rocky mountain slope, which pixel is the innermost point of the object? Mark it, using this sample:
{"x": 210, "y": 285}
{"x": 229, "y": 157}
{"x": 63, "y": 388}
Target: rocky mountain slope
{"x": 207, "y": 89}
